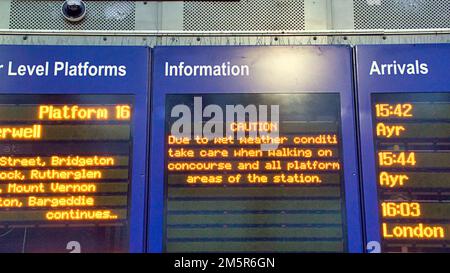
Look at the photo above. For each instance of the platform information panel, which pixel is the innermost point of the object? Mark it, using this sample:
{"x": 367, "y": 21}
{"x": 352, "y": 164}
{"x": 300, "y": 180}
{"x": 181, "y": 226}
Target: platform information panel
{"x": 67, "y": 162}
{"x": 253, "y": 151}
{"x": 405, "y": 128}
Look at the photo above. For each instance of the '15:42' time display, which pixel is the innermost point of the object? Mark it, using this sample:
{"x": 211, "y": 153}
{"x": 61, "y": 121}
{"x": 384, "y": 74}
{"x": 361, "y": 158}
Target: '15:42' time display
{"x": 385, "y": 110}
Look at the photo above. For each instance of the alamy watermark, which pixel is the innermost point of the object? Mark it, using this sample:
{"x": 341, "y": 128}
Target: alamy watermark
{"x": 249, "y": 121}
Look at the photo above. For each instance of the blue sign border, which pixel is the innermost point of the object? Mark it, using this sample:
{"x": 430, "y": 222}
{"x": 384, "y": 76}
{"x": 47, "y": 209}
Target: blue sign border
{"x": 273, "y": 69}
{"x": 437, "y": 57}
{"x": 136, "y": 82}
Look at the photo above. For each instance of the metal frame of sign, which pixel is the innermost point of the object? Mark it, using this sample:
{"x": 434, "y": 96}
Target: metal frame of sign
{"x": 437, "y": 56}
{"x": 135, "y": 82}
{"x": 273, "y": 69}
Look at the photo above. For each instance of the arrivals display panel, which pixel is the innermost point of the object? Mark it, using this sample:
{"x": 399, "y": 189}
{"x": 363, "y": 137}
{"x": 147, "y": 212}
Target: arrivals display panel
{"x": 404, "y": 110}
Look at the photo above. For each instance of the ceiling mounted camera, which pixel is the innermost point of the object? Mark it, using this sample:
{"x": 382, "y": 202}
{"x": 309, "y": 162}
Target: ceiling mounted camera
{"x": 74, "y": 10}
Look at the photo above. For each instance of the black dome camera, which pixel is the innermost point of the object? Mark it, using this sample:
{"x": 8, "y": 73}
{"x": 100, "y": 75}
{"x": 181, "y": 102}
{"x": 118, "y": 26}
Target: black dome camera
{"x": 73, "y": 10}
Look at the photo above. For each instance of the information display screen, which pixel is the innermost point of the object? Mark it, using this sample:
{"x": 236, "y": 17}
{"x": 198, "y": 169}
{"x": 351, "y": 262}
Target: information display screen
{"x": 251, "y": 152}
{"x": 412, "y": 147}
{"x": 65, "y": 167}
{"x": 228, "y": 193}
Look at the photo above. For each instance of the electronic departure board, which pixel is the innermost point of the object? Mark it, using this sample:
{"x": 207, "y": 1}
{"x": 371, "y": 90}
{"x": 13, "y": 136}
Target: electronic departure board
{"x": 71, "y": 179}
{"x": 256, "y": 154}
{"x": 404, "y": 97}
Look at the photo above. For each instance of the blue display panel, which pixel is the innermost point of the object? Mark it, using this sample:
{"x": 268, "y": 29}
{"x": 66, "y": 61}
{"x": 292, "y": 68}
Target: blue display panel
{"x": 404, "y": 116}
{"x": 73, "y": 133}
{"x": 257, "y": 150}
